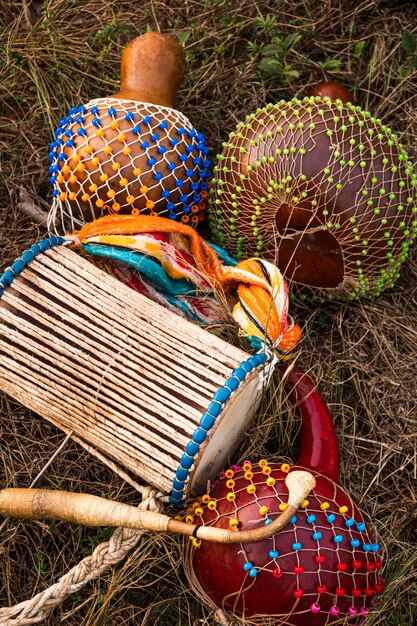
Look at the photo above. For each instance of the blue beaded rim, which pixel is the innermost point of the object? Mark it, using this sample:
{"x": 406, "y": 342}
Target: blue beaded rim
{"x": 207, "y": 421}
{"x": 8, "y": 276}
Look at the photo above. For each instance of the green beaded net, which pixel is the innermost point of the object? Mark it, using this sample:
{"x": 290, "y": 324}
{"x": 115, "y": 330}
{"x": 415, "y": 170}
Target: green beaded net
{"x": 322, "y": 188}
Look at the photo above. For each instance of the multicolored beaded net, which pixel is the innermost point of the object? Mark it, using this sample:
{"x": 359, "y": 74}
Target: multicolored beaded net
{"x": 115, "y": 155}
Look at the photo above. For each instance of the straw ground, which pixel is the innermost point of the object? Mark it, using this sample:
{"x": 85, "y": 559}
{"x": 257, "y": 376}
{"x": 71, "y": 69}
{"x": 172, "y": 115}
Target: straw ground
{"x": 59, "y": 53}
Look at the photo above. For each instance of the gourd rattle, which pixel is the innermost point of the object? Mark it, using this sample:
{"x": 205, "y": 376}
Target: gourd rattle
{"x": 322, "y": 567}
{"x": 132, "y": 150}
{"x": 321, "y": 187}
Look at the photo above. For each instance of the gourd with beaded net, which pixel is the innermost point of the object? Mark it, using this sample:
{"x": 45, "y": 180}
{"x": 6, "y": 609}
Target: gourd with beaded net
{"x": 324, "y": 189}
{"x": 132, "y": 150}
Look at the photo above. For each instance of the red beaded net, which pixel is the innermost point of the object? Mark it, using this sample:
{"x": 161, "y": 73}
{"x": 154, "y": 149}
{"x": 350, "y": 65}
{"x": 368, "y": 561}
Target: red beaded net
{"x": 323, "y": 567}
{"x": 323, "y": 189}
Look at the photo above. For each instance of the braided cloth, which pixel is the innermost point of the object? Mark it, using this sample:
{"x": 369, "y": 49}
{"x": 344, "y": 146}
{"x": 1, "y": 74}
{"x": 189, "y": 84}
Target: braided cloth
{"x": 185, "y": 266}
{"x": 105, "y": 555}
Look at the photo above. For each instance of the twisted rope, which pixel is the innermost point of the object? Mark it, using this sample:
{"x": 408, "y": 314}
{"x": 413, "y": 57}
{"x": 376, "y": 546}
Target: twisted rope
{"x": 105, "y": 555}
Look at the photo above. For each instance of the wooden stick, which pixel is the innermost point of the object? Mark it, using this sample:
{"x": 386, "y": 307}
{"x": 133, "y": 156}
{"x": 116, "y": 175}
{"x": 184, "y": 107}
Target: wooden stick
{"x": 94, "y": 511}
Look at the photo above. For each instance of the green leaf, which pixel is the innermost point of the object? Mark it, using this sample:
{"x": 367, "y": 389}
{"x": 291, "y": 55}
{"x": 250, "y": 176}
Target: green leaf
{"x": 291, "y": 74}
{"x": 331, "y": 65}
{"x": 290, "y": 41}
{"x": 184, "y": 36}
{"x": 273, "y": 49}
{"x": 358, "y": 48}
{"x": 409, "y": 42}
{"x": 270, "y": 66}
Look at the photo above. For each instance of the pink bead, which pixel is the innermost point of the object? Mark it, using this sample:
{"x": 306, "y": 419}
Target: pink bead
{"x": 352, "y": 610}
{"x": 364, "y": 610}
{"x": 222, "y": 475}
{"x": 334, "y": 610}
{"x": 235, "y": 468}
{"x": 315, "y": 608}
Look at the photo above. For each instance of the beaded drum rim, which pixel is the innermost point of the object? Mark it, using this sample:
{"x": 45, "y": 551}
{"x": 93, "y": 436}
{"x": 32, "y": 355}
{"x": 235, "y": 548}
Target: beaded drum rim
{"x": 250, "y": 369}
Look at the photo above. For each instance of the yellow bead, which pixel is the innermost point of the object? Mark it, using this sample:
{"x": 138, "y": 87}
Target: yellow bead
{"x": 231, "y": 497}
{"x": 266, "y": 470}
{"x": 75, "y": 158}
{"x": 60, "y": 179}
{"x": 116, "y": 206}
{"x": 103, "y": 177}
{"x": 285, "y": 468}
{"x": 233, "y": 522}
{"x": 73, "y": 179}
{"x": 150, "y": 204}
{"x": 100, "y": 203}
{"x": 270, "y": 481}
{"x": 121, "y": 137}
{"x": 324, "y": 506}
{"x": 93, "y": 187}
{"x": 95, "y": 161}
{"x": 283, "y": 506}
{"x": 229, "y": 473}
{"x": 116, "y": 166}
{"x": 212, "y": 505}
{"x": 62, "y": 195}
{"x": 196, "y": 542}
{"x": 111, "y": 193}
{"x": 66, "y": 169}
{"x": 130, "y": 199}
{"x": 206, "y": 498}
{"x": 263, "y": 510}
{"x": 80, "y": 167}
{"x": 343, "y": 509}
{"x": 251, "y": 489}
{"x": 230, "y": 483}
{"x": 127, "y": 150}
{"x": 189, "y": 519}
{"x": 88, "y": 149}
{"x": 107, "y": 149}
{"x": 304, "y": 504}
{"x": 85, "y": 197}
{"x": 247, "y": 466}
{"x": 99, "y": 132}
{"x": 144, "y": 189}
{"x": 114, "y": 124}
{"x": 263, "y": 463}
{"x": 198, "y": 511}
{"x": 137, "y": 171}
{"x": 72, "y": 195}
{"x": 248, "y": 475}
{"x": 123, "y": 182}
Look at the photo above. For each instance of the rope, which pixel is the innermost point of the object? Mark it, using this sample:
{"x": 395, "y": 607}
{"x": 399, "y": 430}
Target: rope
{"x": 105, "y": 555}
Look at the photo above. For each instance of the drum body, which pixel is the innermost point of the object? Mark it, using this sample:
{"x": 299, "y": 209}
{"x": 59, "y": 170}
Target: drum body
{"x": 131, "y": 381}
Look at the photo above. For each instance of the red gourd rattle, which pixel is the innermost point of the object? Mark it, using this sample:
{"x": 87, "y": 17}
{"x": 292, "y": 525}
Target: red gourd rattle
{"x": 132, "y": 150}
{"x": 322, "y": 567}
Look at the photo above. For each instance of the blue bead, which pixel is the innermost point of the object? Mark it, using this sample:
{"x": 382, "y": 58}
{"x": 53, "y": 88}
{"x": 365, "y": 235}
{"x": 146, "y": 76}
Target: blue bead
{"x": 247, "y": 566}
{"x": 297, "y": 545}
{"x": 54, "y": 169}
{"x": 155, "y": 136}
{"x": 222, "y": 394}
{"x": 186, "y": 208}
{"x": 195, "y": 186}
{"x": 205, "y": 151}
{"x": 63, "y": 122}
{"x": 18, "y": 266}
{"x": 55, "y": 193}
{"x": 177, "y": 485}
{"x": 183, "y": 197}
{"x": 316, "y": 536}
{"x": 253, "y": 361}
{"x": 58, "y": 132}
{"x": 273, "y": 554}
{"x": 366, "y": 547}
{"x": 147, "y": 119}
{"x": 360, "y": 527}
{"x": 82, "y": 132}
{"x": 181, "y": 131}
{"x": 192, "y": 448}
{"x": 174, "y": 501}
{"x": 173, "y": 141}
{"x": 157, "y": 176}
{"x": 375, "y": 547}
{"x": 330, "y": 518}
{"x": 183, "y": 158}
{"x": 111, "y": 111}
{"x": 82, "y": 109}
{"x": 293, "y": 520}
{"x": 189, "y": 148}
{"x": 151, "y": 161}
{"x": 197, "y": 160}
{"x": 179, "y": 183}
{"x": 355, "y": 543}
{"x": 166, "y": 193}
{"x": 199, "y": 435}
{"x": 338, "y": 538}
{"x": 200, "y": 146}
{"x": 253, "y": 572}
{"x": 79, "y": 119}
{"x": 246, "y": 366}
{"x": 96, "y": 122}
{"x": 232, "y": 383}
{"x": 206, "y": 163}
{"x": 214, "y": 408}
{"x": 204, "y": 186}
{"x": 70, "y": 143}
{"x": 192, "y": 133}
{"x": 44, "y": 245}
{"x": 69, "y": 133}
{"x": 62, "y": 157}
{"x": 202, "y": 173}
{"x": 267, "y": 522}
{"x": 200, "y": 137}
{"x": 144, "y": 145}
{"x": 196, "y": 198}
{"x": 310, "y": 519}
{"x": 52, "y": 156}
{"x": 73, "y": 110}
{"x": 172, "y": 215}
{"x": 349, "y": 522}
{"x": 170, "y": 206}
{"x": 27, "y": 256}
{"x": 163, "y": 125}
{"x": 162, "y": 149}
{"x": 181, "y": 474}
{"x": 130, "y": 116}
{"x": 207, "y": 421}
{"x": 189, "y": 173}
{"x": 136, "y": 130}
{"x": 7, "y": 278}
{"x": 172, "y": 166}
{"x": 186, "y": 461}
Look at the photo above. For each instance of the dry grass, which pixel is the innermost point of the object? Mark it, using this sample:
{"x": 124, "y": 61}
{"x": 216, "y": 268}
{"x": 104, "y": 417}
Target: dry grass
{"x": 363, "y": 355}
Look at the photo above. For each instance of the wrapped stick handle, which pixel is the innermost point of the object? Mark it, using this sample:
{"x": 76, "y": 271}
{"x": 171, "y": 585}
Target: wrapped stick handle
{"x": 91, "y": 510}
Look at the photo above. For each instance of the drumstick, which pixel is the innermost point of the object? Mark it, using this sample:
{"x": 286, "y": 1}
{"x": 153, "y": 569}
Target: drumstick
{"x": 89, "y": 510}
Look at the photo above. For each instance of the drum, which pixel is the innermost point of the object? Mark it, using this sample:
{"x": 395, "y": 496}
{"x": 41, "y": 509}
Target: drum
{"x": 130, "y": 380}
